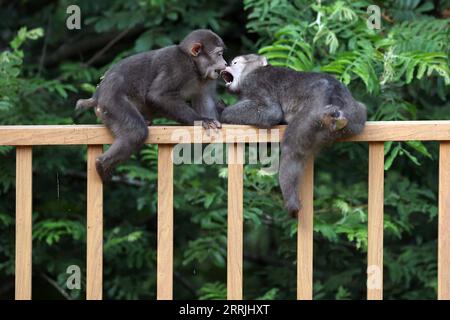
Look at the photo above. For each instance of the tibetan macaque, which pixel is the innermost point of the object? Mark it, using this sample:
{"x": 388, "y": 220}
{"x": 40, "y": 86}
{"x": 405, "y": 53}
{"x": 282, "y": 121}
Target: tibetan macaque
{"x": 317, "y": 108}
{"x": 178, "y": 82}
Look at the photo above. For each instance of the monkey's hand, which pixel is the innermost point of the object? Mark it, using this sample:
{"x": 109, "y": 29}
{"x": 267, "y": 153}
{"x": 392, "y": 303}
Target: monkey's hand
{"x": 211, "y": 124}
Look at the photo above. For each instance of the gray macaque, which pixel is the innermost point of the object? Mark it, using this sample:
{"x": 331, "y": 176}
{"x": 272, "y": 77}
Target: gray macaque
{"x": 178, "y": 82}
{"x": 317, "y": 108}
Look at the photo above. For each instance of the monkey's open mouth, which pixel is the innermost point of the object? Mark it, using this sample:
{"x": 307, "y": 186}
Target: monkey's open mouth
{"x": 227, "y": 77}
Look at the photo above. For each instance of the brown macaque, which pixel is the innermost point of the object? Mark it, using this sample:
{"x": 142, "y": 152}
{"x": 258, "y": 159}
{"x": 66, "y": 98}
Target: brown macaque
{"x": 178, "y": 82}
{"x": 317, "y": 108}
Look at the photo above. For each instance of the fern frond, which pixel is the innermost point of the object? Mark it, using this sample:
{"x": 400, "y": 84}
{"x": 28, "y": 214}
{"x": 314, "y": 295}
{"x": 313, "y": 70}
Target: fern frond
{"x": 410, "y": 65}
{"x": 356, "y": 64}
{"x": 290, "y": 50}
{"x": 425, "y": 34}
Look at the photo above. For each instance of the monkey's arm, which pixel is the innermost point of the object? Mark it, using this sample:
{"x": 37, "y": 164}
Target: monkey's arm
{"x": 220, "y": 106}
{"x": 254, "y": 113}
{"x": 174, "y": 107}
{"x": 177, "y": 109}
{"x": 206, "y": 103}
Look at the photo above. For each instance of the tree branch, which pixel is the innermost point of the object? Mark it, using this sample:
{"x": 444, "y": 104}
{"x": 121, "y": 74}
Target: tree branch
{"x": 92, "y": 42}
{"x": 108, "y": 46}
{"x": 54, "y": 284}
{"x": 44, "y": 47}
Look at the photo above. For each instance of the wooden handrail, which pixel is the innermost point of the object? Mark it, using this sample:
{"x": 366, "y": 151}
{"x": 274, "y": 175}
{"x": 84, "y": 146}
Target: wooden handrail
{"x": 375, "y": 222}
{"x": 94, "y": 254}
{"x": 235, "y": 234}
{"x": 98, "y": 134}
{"x": 23, "y": 222}
{"x": 235, "y": 136}
{"x": 165, "y": 224}
{"x": 444, "y": 222}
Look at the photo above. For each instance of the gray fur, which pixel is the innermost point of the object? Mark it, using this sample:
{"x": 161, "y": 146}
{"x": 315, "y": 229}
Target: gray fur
{"x": 178, "y": 82}
{"x": 317, "y": 108}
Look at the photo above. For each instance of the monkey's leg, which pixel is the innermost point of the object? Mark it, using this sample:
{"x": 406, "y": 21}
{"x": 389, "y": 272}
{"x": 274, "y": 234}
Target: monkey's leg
{"x": 299, "y": 143}
{"x": 355, "y": 113}
{"x": 129, "y": 129}
{"x": 254, "y": 113}
{"x": 333, "y": 118}
{"x": 291, "y": 171}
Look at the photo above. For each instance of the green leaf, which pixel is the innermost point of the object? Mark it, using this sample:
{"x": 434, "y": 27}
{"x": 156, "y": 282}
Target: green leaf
{"x": 390, "y": 159}
{"x": 411, "y": 157}
{"x": 88, "y": 87}
{"x": 420, "y": 147}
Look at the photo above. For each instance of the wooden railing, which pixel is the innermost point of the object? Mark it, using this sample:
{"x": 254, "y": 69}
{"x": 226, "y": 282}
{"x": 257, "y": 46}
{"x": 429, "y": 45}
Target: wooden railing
{"x": 376, "y": 133}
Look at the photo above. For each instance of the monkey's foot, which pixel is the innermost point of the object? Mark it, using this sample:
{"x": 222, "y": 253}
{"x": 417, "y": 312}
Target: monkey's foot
{"x": 104, "y": 174}
{"x": 334, "y": 120}
{"x": 293, "y": 209}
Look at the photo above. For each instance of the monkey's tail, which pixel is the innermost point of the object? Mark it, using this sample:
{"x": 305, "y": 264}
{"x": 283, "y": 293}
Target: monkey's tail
{"x": 83, "y": 104}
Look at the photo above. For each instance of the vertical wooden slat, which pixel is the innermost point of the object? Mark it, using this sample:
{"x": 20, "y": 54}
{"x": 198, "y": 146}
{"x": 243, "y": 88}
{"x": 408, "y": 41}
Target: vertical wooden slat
{"x": 375, "y": 222}
{"x": 94, "y": 259}
{"x": 235, "y": 221}
{"x": 23, "y": 222}
{"x": 165, "y": 223}
{"x": 305, "y": 235}
{"x": 444, "y": 223}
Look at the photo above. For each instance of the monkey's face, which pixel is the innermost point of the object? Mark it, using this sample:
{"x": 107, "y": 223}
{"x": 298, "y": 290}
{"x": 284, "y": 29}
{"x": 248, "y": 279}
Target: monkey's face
{"x": 206, "y": 50}
{"x": 208, "y": 59}
{"x": 239, "y": 68}
{"x": 212, "y": 63}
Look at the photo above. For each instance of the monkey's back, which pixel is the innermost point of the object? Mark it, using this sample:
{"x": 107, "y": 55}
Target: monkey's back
{"x": 136, "y": 74}
{"x": 295, "y": 90}
{"x": 304, "y": 95}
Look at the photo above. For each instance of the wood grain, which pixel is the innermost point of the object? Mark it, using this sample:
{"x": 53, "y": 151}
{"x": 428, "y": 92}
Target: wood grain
{"x": 444, "y": 223}
{"x": 235, "y": 221}
{"x": 165, "y": 224}
{"x": 305, "y": 235}
{"x": 94, "y": 258}
{"x": 97, "y": 134}
{"x": 375, "y": 132}
{"x": 23, "y": 222}
{"x": 375, "y": 222}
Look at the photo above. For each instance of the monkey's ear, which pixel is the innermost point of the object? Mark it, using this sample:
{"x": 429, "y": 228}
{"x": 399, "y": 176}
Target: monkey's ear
{"x": 196, "y": 48}
{"x": 264, "y": 61}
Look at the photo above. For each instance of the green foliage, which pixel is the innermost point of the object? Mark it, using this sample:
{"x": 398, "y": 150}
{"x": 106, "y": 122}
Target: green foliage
{"x": 10, "y": 67}
{"x": 401, "y": 72}
{"x": 213, "y": 291}
{"x": 383, "y": 62}
{"x": 290, "y": 49}
{"x": 51, "y": 231}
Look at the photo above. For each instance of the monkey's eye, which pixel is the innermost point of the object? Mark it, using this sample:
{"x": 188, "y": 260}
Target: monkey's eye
{"x": 336, "y": 114}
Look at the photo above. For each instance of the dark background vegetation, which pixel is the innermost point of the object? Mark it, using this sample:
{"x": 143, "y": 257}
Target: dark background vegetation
{"x": 400, "y": 71}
